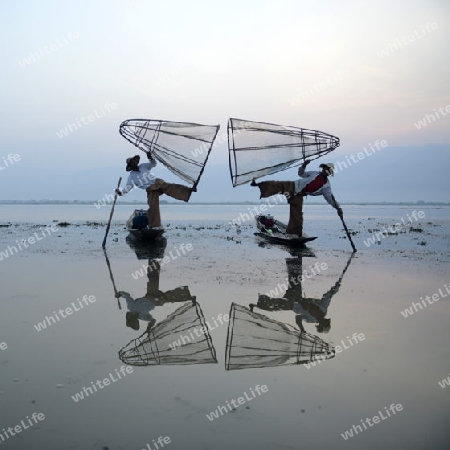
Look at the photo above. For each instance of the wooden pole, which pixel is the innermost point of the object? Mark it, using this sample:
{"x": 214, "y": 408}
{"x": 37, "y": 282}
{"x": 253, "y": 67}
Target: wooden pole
{"x": 116, "y": 293}
{"x": 346, "y": 229}
{"x": 110, "y": 216}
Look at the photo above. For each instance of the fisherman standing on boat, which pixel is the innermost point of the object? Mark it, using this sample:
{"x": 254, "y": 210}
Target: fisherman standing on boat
{"x": 142, "y": 177}
{"x": 309, "y": 183}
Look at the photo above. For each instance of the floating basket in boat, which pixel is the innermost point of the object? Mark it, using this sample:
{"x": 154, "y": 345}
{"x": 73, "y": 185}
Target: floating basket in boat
{"x": 140, "y": 219}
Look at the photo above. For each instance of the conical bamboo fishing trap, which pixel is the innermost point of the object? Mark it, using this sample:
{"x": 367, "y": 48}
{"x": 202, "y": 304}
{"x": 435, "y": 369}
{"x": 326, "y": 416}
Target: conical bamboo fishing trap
{"x": 181, "y": 338}
{"x": 255, "y": 340}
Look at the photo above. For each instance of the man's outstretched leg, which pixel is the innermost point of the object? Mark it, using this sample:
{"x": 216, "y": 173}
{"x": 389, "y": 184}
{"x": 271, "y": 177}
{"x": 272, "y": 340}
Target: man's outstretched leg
{"x": 159, "y": 187}
{"x": 177, "y": 191}
{"x": 269, "y": 188}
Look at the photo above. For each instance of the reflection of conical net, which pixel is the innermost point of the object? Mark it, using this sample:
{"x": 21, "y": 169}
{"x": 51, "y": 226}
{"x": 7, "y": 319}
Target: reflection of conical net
{"x": 255, "y": 340}
{"x": 177, "y": 331}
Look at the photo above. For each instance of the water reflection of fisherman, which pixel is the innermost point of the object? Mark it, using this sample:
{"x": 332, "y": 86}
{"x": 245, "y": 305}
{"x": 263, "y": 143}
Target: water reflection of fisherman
{"x": 308, "y": 309}
{"x": 139, "y": 308}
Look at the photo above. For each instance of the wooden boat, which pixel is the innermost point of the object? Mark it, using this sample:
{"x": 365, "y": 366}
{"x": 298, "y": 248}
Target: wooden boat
{"x": 275, "y": 231}
{"x": 137, "y": 225}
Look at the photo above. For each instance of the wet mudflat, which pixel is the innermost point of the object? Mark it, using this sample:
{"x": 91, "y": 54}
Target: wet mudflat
{"x": 97, "y": 387}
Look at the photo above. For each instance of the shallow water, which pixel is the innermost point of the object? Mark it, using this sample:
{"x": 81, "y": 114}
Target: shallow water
{"x": 399, "y": 361}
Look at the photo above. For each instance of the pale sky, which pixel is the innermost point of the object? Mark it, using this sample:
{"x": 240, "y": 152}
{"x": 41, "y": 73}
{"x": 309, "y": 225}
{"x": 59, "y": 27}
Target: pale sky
{"x": 328, "y": 65}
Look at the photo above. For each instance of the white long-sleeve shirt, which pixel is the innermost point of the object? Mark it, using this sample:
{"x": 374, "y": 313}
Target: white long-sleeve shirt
{"x": 142, "y": 179}
{"x": 322, "y": 303}
{"x": 325, "y": 190}
{"x": 141, "y": 306}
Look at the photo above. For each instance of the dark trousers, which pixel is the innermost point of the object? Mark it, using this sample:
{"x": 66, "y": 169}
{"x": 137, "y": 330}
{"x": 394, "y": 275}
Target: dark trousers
{"x": 159, "y": 187}
{"x": 269, "y": 188}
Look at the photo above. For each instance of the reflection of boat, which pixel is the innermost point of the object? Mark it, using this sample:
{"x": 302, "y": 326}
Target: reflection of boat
{"x": 275, "y": 231}
{"x": 181, "y": 338}
{"x": 255, "y": 340}
{"x": 137, "y": 225}
{"x": 144, "y": 251}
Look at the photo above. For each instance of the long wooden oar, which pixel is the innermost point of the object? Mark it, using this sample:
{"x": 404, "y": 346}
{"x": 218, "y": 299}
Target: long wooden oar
{"x": 348, "y": 235}
{"x": 346, "y": 229}
{"x": 110, "y": 216}
{"x": 116, "y": 293}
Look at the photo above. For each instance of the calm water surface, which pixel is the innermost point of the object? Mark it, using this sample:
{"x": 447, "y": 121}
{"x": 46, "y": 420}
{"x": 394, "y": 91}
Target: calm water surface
{"x": 396, "y": 360}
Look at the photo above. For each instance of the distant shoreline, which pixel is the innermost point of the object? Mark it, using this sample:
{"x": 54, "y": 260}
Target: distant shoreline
{"x": 163, "y": 202}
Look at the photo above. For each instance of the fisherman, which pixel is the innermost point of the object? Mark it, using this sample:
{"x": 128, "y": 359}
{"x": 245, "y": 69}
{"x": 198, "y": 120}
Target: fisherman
{"x": 139, "y": 308}
{"x": 309, "y": 309}
{"x": 309, "y": 183}
{"x": 142, "y": 177}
